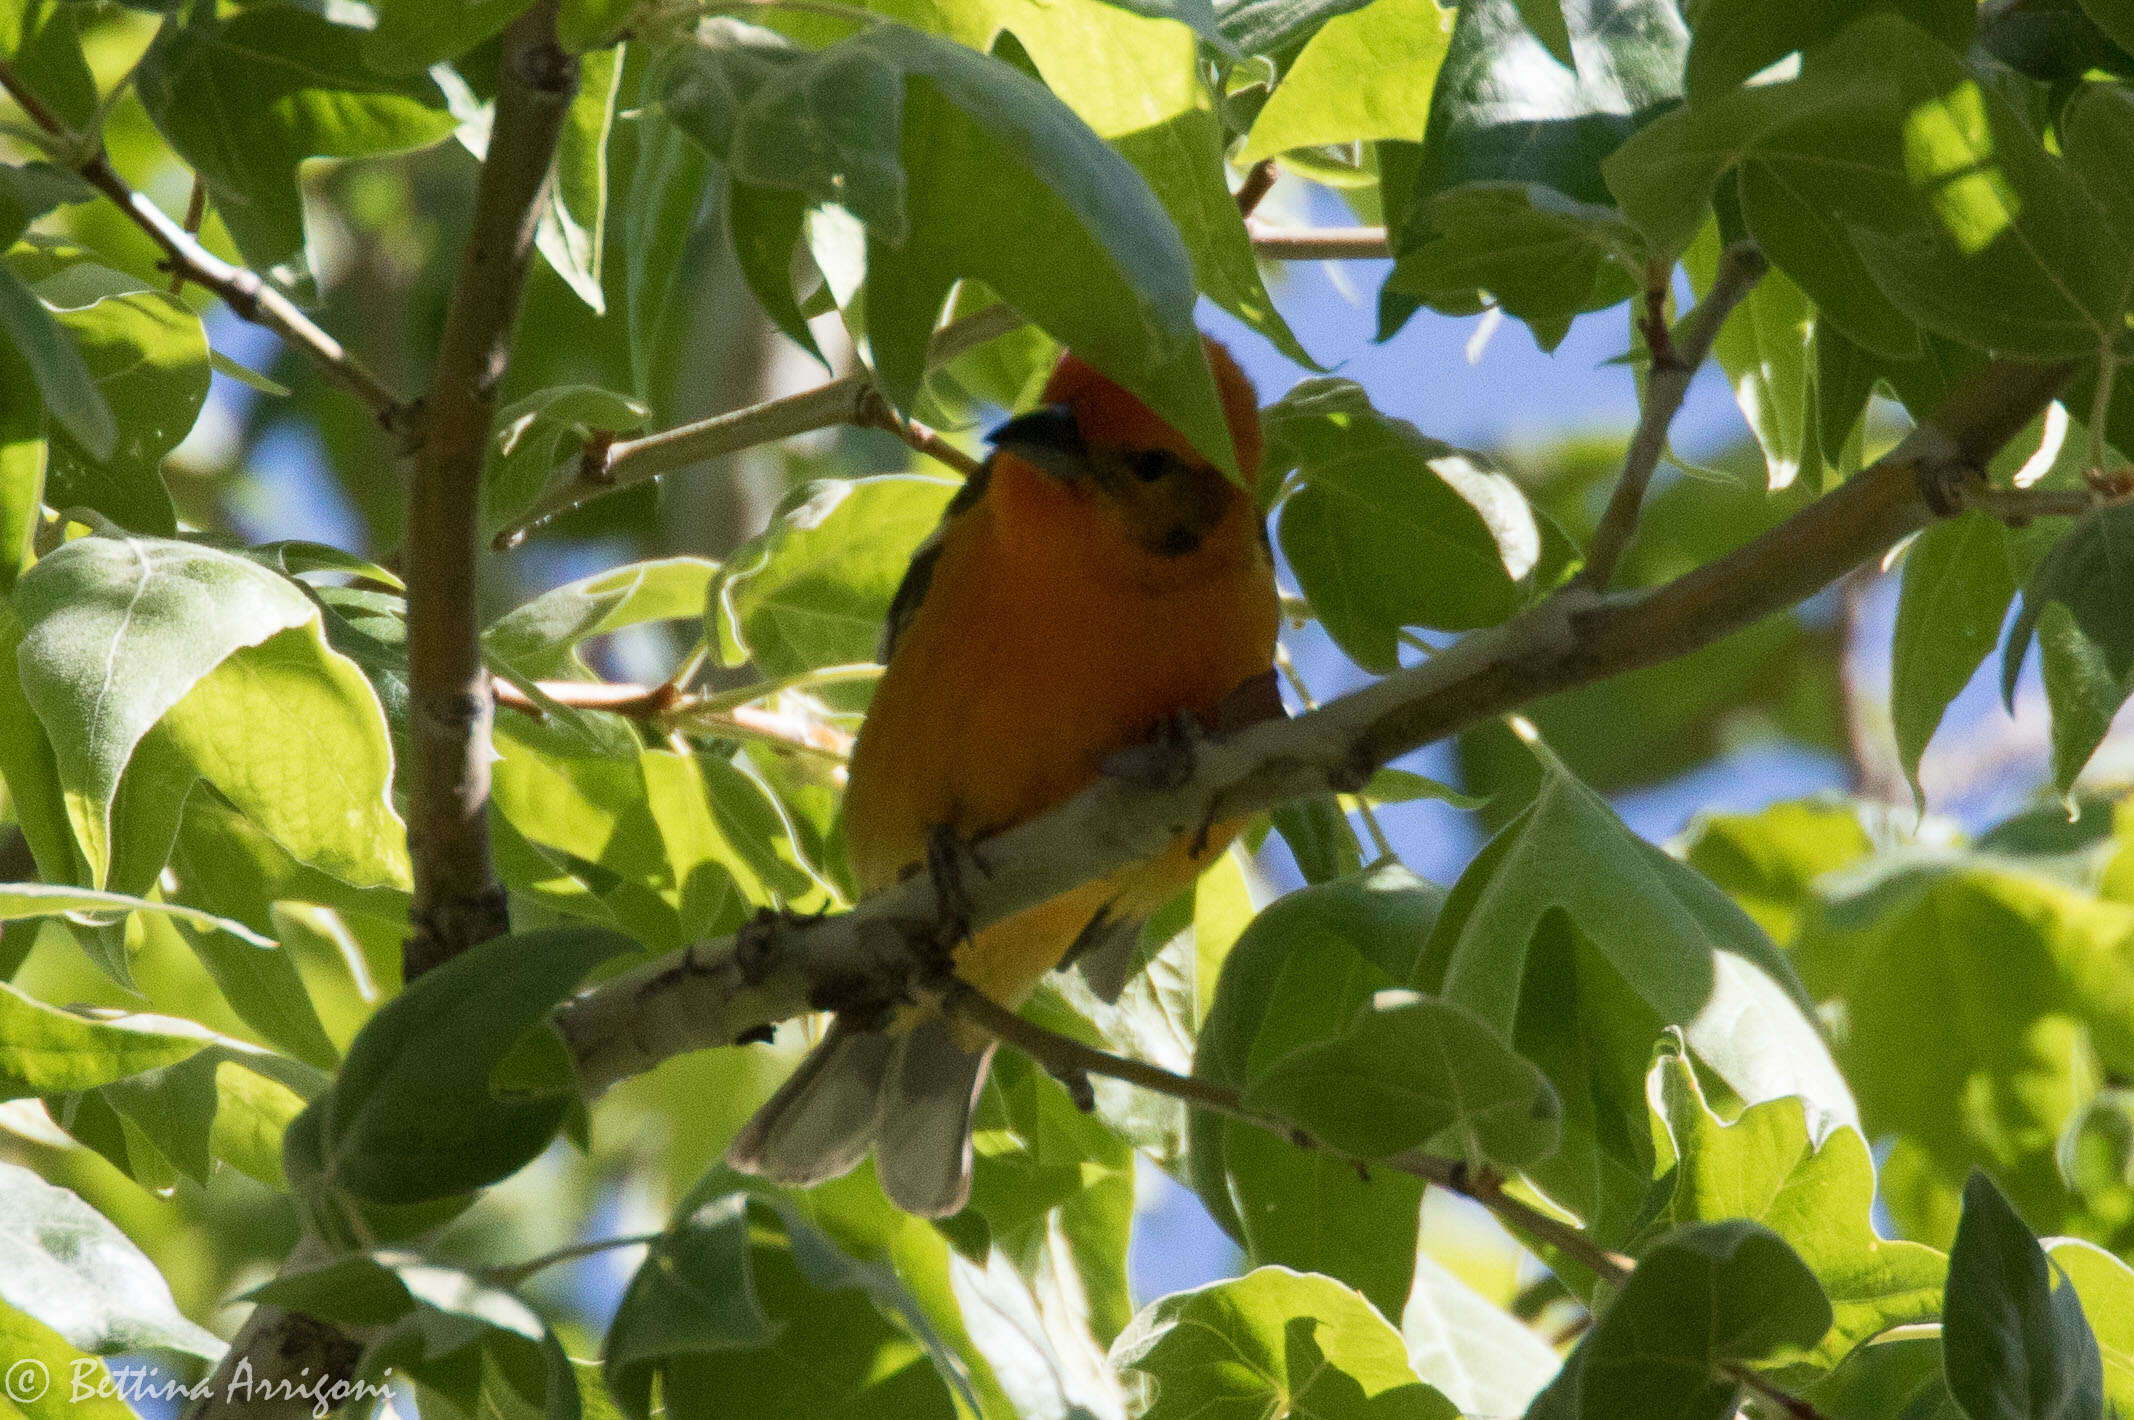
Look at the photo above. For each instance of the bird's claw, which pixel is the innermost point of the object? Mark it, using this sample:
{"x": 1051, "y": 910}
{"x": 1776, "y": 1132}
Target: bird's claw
{"x": 1166, "y": 759}
{"x": 947, "y": 856}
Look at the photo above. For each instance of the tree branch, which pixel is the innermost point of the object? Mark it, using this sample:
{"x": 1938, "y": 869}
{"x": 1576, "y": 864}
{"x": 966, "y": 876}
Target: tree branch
{"x": 245, "y": 292}
{"x": 851, "y": 399}
{"x": 458, "y": 901}
{"x": 717, "y": 992}
{"x": 668, "y": 704}
{"x": 1675, "y": 361}
{"x": 1318, "y": 243}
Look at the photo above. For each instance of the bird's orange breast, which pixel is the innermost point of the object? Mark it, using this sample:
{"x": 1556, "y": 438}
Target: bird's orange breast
{"x": 1044, "y": 643}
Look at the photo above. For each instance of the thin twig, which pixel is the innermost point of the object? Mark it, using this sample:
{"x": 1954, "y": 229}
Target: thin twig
{"x": 1675, "y": 359}
{"x": 1257, "y": 184}
{"x": 245, "y": 292}
{"x": 458, "y": 901}
{"x": 511, "y": 1274}
{"x": 195, "y": 214}
{"x": 628, "y": 462}
{"x": 1287, "y": 665}
{"x": 667, "y": 703}
{"x": 1073, "y": 1062}
{"x": 1318, "y": 243}
{"x": 877, "y": 413}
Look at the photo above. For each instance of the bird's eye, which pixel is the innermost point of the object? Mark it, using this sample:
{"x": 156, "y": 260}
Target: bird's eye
{"x": 1151, "y": 465}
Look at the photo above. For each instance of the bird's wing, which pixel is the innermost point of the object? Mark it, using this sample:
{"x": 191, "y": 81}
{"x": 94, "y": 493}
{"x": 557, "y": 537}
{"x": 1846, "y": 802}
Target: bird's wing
{"x": 911, "y": 592}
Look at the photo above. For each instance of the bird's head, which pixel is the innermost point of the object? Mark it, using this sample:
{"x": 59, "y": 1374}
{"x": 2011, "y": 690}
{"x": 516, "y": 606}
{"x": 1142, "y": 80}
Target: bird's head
{"x": 1103, "y": 445}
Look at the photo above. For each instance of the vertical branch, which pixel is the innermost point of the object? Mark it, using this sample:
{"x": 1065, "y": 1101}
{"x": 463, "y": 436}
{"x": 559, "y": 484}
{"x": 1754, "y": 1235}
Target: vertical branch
{"x": 458, "y": 901}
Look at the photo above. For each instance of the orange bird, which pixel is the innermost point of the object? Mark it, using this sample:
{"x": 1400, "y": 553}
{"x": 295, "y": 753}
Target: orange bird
{"x": 1093, "y": 580}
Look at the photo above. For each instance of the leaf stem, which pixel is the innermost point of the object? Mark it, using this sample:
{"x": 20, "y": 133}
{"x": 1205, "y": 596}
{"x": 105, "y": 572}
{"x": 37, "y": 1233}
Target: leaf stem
{"x": 514, "y": 1273}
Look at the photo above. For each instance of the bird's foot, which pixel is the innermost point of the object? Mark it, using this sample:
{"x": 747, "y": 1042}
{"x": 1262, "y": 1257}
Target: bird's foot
{"x": 1166, "y": 759}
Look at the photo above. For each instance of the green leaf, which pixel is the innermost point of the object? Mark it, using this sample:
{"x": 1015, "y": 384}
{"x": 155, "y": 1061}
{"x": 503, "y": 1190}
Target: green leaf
{"x": 1275, "y": 1342}
{"x": 25, "y": 1340}
{"x": 117, "y": 630}
{"x": 47, "y": 1051}
{"x": 24, "y": 452}
{"x": 1298, "y": 975}
{"x": 293, "y": 735}
{"x": 1391, "y": 528}
{"x": 582, "y": 25}
{"x": 149, "y": 356}
{"x": 2023, "y": 975}
{"x": 1484, "y": 1359}
{"x": 814, "y": 589}
{"x": 25, "y": 900}
{"x": 1364, "y": 76}
{"x": 1707, "y": 1295}
{"x": 44, "y": 43}
{"x": 246, "y": 99}
{"x": 822, "y": 123}
{"x": 1505, "y": 109}
{"x": 1273, "y": 26}
{"x": 1817, "y": 1194}
{"x": 670, "y": 848}
{"x": 2074, "y": 605}
{"x": 411, "y": 35}
{"x": 2013, "y": 1335}
{"x": 2097, "y": 136}
{"x": 2113, "y": 19}
{"x": 990, "y": 154}
{"x": 535, "y": 434}
{"x": 1845, "y": 378}
{"x": 1412, "y": 1071}
{"x": 2106, "y": 1287}
{"x": 1521, "y": 246}
{"x": 63, "y": 1264}
{"x": 1894, "y": 188}
{"x": 222, "y": 1102}
{"x": 1739, "y": 38}
{"x": 659, "y": 213}
{"x": 29, "y": 769}
{"x": 1959, "y": 579}
{"x": 54, "y": 363}
{"x": 1138, "y": 84}
{"x": 1319, "y": 836}
{"x": 746, "y": 1302}
{"x": 572, "y": 229}
{"x": 540, "y": 638}
{"x": 372, "y": 1289}
{"x": 413, "y": 1115}
{"x": 1580, "y": 943}
{"x": 69, "y": 390}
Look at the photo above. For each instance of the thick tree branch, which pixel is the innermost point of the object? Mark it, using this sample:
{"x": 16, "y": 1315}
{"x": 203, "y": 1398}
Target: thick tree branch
{"x": 458, "y": 901}
{"x": 245, "y": 292}
{"x": 1676, "y": 359}
{"x": 718, "y": 992}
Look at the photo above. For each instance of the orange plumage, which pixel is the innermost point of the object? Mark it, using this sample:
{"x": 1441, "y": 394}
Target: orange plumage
{"x": 1099, "y": 577}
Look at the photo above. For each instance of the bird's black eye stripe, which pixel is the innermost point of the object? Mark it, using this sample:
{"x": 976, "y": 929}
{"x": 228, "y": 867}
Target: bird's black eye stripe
{"x": 1151, "y": 464}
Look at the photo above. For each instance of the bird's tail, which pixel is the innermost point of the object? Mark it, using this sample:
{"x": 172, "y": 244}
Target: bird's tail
{"x": 911, "y": 1093}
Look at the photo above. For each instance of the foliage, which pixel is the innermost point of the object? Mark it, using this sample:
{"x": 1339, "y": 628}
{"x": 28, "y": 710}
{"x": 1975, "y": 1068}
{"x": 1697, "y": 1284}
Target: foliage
{"x": 1671, "y": 1070}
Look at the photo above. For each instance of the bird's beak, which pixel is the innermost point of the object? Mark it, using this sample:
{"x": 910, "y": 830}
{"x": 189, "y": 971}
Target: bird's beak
{"x": 1047, "y": 438}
